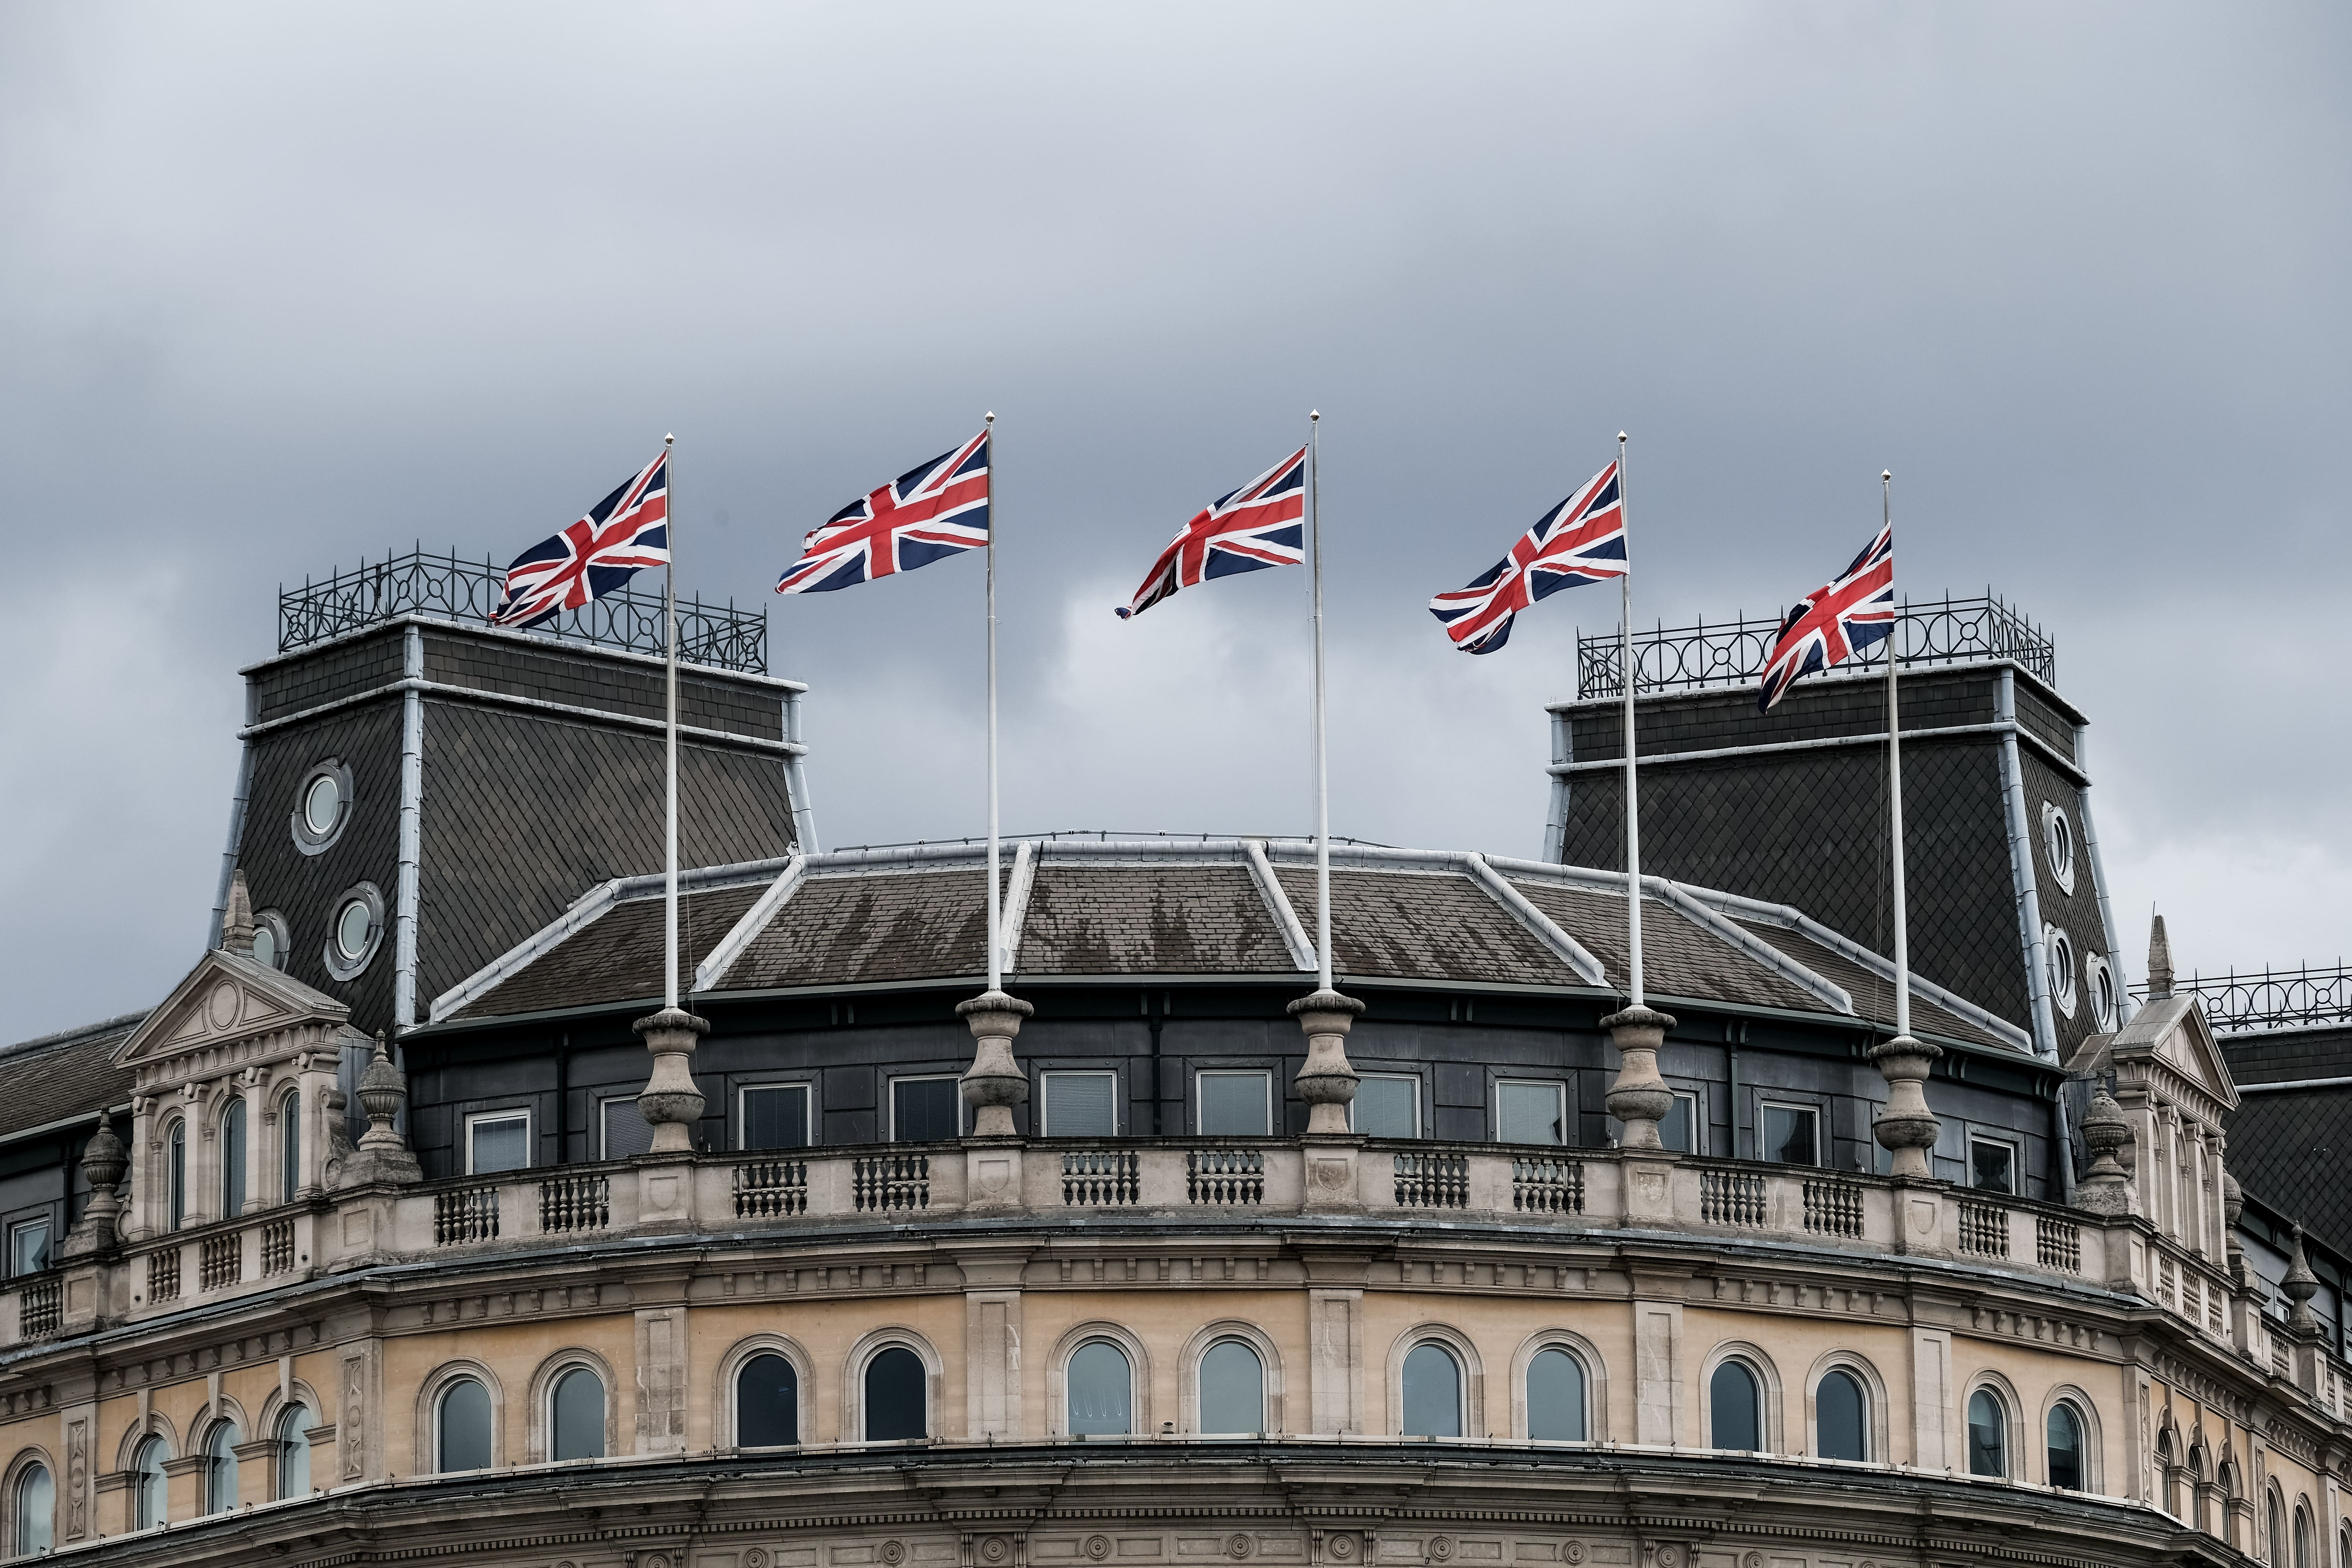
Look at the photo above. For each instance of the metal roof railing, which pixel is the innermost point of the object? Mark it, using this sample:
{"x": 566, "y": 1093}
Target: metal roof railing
{"x": 2269, "y": 998}
{"x": 421, "y": 583}
{"x": 1732, "y": 653}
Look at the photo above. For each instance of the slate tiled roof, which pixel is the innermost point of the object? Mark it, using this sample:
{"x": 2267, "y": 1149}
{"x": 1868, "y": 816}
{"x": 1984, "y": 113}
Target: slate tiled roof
{"x": 58, "y": 1076}
{"x": 2289, "y": 1148}
{"x": 1184, "y": 908}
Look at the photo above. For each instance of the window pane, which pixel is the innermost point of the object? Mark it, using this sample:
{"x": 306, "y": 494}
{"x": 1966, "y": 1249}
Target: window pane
{"x": 153, "y": 1497}
{"x": 1556, "y": 1397}
{"x": 1788, "y": 1135}
{"x": 895, "y": 1397}
{"x": 502, "y": 1143}
{"x": 1988, "y": 1436}
{"x": 466, "y": 1427}
{"x": 2065, "y": 1449}
{"x": 290, "y": 1147}
{"x": 776, "y": 1117}
{"x": 177, "y": 1174}
{"x": 1234, "y": 1104}
{"x": 28, "y": 1248}
{"x": 220, "y": 1468}
{"x": 1678, "y": 1131}
{"x": 1432, "y": 1393}
{"x": 1233, "y": 1389}
{"x": 627, "y": 1133}
{"x": 1081, "y": 1104}
{"x": 1101, "y": 1392}
{"x": 294, "y": 1452}
{"x": 36, "y": 1503}
{"x": 1734, "y": 1407}
{"x": 577, "y": 1414}
{"x": 1993, "y": 1167}
{"x": 233, "y": 1158}
{"x": 924, "y": 1110}
{"x": 1840, "y": 1430}
{"x": 767, "y": 1403}
{"x": 1388, "y": 1107}
{"x": 1531, "y": 1113}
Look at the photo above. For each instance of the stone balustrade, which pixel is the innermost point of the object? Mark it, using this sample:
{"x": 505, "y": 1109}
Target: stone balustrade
{"x": 1617, "y": 1196}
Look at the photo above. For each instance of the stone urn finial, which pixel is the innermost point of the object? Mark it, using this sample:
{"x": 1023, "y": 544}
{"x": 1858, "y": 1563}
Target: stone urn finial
{"x": 1637, "y": 1096}
{"x": 2106, "y": 1132}
{"x": 1325, "y": 1081}
{"x": 103, "y": 1161}
{"x": 1907, "y": 1129}
{"x": 994, "y": 1082}
{"x": 2299, "y": 1287}
{"x": 671, "y": 1100}
{"x": 383, "y": 1156}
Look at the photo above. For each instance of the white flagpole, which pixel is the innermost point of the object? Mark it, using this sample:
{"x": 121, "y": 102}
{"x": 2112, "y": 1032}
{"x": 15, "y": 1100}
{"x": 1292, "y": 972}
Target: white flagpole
{"x": 995, "y": 937}
{"x": 1632, "y": 794}
{"x": 1895, "y": 781}
{"x": 669, "y": 619}
{"x": 1322, "y": 769}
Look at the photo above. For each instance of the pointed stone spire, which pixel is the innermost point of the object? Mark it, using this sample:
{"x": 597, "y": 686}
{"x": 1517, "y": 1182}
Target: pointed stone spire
{"x": 236, "y": 921}
{"x": 2159, "y": 962}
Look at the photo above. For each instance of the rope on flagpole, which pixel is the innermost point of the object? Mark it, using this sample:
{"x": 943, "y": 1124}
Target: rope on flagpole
{"x": 669, "y": 640}
{"x": 1894, "y": 779}
{"x": 995, "y": 915}
{"x": 1322, "y": 766}
{"x": 1632, "y": 795}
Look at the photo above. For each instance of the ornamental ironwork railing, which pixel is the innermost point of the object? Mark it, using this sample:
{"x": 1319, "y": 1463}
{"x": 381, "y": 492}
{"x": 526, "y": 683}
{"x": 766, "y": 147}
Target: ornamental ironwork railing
{"x": 2269, "y": 998}
{"x": 444, "y": 585}
{"x": 1731, "y": 653}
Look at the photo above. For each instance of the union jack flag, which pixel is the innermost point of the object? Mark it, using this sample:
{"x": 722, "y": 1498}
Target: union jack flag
{"x": 1832, "y": 625}
{"x": 933, "y": 511}
{"x": 1582, "y": 540}
{"x": 621, "y": 535}
{"x": 1247, "y": 530}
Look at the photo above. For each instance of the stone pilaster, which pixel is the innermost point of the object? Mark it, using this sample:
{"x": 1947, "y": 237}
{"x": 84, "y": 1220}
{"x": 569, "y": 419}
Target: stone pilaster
{"x": 671, "y": 1099}
{"x": 1907, "y": 1129}
{"x": 1638, "y": 1097}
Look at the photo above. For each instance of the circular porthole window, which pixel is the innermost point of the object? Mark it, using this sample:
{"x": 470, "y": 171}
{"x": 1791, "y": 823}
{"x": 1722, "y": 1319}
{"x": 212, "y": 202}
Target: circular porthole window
{"x": 322, "y": 804}
{"x": 2062, "y": 969}
{"x": 355, "y": 932}
{"x": 270, "y": 944}
{"x": 2100, "y": 978}
{"x": 2058, "y": 839}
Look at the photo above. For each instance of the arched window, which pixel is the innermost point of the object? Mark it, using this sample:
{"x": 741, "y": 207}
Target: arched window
{"x": 2197, "y": 1487}
{"x": 37, "y": 1510}
{"x": 294, "y": 1452}
{"x": 575, "y": 1417}
{"x": 1841, "y": 1417}
{"x": 220, "y": 1468}
{"x": 462, "y": 1426}
{"x": 2065, "y": 1436}
{"x": 176, "y": 1176}
{"x": 2228, "y": 1477}
{"x": 1101, "y": 1389}
{"x": 1433, "y": 1392}
{"x": 1233, "y": 1388}
{"x": 1734, "y": 1407}
{"x": 2167, "y": 1475}
{"x": 767, "y": 1403}
{"x": 290, "y": 1145}
{"x": 2303, "y": 1537}
{"x": 152, "y": 1503}
{"x": 1987, "y": 1435}
{"x": 896, "y": 1396}
{"x": 231, "y": 1146}
{"x": 1556, "y": 1397}
{"x": 2274, "y": 1515}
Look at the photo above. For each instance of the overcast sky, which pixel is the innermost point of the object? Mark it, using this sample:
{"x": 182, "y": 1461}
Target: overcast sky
{"x": 283, "y": 286}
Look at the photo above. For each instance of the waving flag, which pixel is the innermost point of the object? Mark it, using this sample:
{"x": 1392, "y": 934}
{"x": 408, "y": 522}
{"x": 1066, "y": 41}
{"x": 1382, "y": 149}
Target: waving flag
{"x": 1832, "y": 625}
{"x": 1581, "y": 540}
{"x": 933, "y": 511}
{"x": 1256, "y": 526}
{"x": 621, "y": 535}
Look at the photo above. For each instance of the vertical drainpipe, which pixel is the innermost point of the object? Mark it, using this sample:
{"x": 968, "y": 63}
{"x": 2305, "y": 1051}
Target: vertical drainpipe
{"x": 1563, "y": 752}
{"x": 236, "y": 821}
{"x": 2124, "y": 1008}
{"x": 2021, "y": 875}
{"x": 796, "y": 779}
{"x": 412, "y": 832}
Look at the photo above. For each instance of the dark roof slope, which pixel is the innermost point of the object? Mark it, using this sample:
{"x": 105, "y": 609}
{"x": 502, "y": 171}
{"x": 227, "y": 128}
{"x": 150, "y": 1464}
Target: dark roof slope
{"x": 2290, "y": 1148}
{"x": 60, "y": 1077}
{"x": 1149, "y": 920}
{"x": 1421, "y": 925}
{"x": 839, "y": 930}
{"x": 617, "y": 956}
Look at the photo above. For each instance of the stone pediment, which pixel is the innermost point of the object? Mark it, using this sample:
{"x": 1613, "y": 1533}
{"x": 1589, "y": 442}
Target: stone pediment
{"x": 226, "y": 1000}
{"x": 2171, "y": 1032}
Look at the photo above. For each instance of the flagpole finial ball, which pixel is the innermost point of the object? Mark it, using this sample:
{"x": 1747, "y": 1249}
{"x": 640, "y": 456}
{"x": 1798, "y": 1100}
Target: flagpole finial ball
{"x": 1313, "y": 415}
{"x": 1886, "y": 476}
{"x": 667, "y": 439}
{"x": 990, "y": 418}
{"x": 1620, "y": 438}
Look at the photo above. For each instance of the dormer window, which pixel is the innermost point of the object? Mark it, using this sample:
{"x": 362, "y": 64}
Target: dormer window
{"x": 355, "y": 932}
{"x": 271, "y": 943}
{"x": 323, "y": 805}
{"x": 2060, "y": 951}
{"x": 2058, "y": 840}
